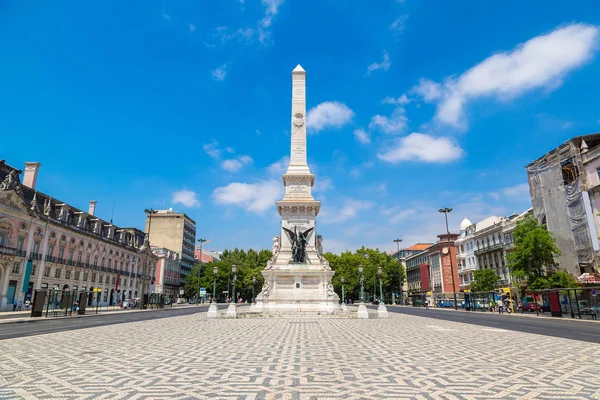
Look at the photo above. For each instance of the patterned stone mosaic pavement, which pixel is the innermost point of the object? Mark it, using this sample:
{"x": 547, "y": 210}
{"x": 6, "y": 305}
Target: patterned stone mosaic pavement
{"x": 403, "y": 357}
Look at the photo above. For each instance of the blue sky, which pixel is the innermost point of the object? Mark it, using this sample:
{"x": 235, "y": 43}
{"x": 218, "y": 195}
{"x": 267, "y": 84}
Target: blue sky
{"x": 415, "y": 105}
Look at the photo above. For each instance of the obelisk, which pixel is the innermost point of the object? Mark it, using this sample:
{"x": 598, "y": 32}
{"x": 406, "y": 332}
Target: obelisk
{"x": 298, "y": 278}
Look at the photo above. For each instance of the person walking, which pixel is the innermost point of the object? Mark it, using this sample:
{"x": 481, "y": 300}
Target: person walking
{"x": 20, "y": 306}
{"x": 15, "y": 305}
{"x": 74, "y": 309}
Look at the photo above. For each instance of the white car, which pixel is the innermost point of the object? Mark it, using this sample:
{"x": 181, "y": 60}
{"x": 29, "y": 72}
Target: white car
{"x": 126, "y": 304}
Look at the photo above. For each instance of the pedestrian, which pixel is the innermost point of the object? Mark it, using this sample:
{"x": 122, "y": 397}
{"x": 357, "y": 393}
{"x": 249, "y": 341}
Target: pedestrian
{"x": 20, "y": 306}
{"x": 74, "y": 309}
{"x": 15, "y": 305}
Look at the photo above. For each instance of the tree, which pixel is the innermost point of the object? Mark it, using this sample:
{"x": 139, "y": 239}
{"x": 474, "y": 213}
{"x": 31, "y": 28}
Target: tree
{"x": 485, "y": 280}
{"x": 534, "y": 253}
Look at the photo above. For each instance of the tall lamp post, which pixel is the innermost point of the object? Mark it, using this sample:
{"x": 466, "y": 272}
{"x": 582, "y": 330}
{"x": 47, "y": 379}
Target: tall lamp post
{"x": 231, "y": 310}
{"x": 213, "y": 310}
{"x": 397, "y": 241}
{"x": 362, "y": 282}
{"x": 362, "y": 309}
{"x": 445, "y": 211}
{"x": 379, "y": 271}
{"x": 253, "y": 284}
{"x": 342, "y": 280}
{"x": 201, "y": 241}
{"x": 146, "y": 242}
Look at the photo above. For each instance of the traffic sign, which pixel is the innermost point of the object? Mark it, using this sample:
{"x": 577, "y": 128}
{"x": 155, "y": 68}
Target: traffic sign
{"x": 202, "y": 291}
{"x": 594, "y": 292}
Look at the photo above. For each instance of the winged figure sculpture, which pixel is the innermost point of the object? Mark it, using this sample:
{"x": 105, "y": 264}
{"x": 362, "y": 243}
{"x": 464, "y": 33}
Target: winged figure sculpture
{"x": 299, "y": 240}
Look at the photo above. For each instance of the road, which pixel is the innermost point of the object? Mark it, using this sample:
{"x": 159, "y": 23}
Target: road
{"x": 587, "y": 331}
{"x": 43, "y": 326}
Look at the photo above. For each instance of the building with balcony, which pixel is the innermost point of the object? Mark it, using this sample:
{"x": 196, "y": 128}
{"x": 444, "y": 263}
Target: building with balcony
{"x": 465, "y": 253}
{"x": 417, "y": 273}
{"x": 48, "y": 243}
{"x": 489, "y": 247}
{"x": 174, "y": 231}
{"x": 403, "y": 254}
{"x": 564, "y": 188}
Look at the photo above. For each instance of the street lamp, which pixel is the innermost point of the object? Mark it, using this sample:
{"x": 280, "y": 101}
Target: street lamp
{"x": 445, "y": 211}
{"x": 146, "y": 242}
{"x": 342, "y": 280}
{"x": 215, "y": 271}
{"x": 379, "y": 271}
{"x": 362, "y": 282}
{"x": 233, "y": 271}
{"x": 201, "y": 240}
{"x": 253, "y": 284}
{"x": 397, "y": 241}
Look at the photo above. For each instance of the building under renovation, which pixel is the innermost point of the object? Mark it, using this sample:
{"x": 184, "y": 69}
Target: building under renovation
{"x": 564, "y": 185}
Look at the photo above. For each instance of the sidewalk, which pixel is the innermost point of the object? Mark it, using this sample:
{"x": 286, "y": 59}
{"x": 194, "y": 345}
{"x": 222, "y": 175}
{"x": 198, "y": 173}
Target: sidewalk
{"x": 565, "y": 317}
{"x": 9, "y": 317}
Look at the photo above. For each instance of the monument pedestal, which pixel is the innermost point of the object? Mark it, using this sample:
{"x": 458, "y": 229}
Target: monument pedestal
{"x": 213, "y": 311}
{"x": 297, "y": 288}
{"x": 231, "y": 311}
{"x": 362, "y": 311}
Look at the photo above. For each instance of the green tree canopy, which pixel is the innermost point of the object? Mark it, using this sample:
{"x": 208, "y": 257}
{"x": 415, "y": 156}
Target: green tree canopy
{"x": 534, "y": 253}
{"x": 485, "y": 280}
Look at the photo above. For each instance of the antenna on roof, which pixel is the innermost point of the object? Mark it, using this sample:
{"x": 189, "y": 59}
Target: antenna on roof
{"x": 112, "y": 214}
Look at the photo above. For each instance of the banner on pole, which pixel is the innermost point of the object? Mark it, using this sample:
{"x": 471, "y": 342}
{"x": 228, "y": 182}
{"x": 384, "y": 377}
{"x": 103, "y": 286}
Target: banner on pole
{"x": 27, "y": 276}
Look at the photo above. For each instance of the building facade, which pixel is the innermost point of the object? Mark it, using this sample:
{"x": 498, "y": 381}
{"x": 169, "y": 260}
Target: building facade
{"x": 48, "y": 243}
{"x": 176, "y": 232}
{"x": 401, "y": 257}
{"x": 489, "y": 247}
{"x": 168, "y": 272}
{"x": 563, "y": 185}
{"x": 442, "y": 265}
{"x": 465, "y": 254}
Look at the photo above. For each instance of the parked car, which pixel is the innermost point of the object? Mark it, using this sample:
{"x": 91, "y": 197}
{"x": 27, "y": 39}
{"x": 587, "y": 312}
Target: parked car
{"x": 126, "y": 304}
{"x": 180, "y": 301}
{"x": 168, "y": 302}
{"x": 545, "y": 307}
{"x": 531, "y": 307}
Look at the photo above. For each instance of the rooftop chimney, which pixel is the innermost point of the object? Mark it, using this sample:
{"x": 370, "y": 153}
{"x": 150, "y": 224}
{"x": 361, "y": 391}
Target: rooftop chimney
{"x": 92, "y": 209}
{"x": 31, "y": 172}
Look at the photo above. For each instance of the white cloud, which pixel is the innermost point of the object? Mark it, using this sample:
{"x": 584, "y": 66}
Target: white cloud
{"x": 279, "y": 167}
{"x": 271, "y": 9}
{"x": 253, "y": 197}
{"x": 322, "y": 184}
{"x": 428, "y": 90}
{"x": 219, "y": 73}
{"x": 212, "y": 149}
{"x": 186, "y": 198}
{"x": 402, "y": 100}
{"x": 192, "y": 27}
{"x": 399, "y": 24}
{"x": 397, "y": 123}
{"x": 402, "y": 215}
{"x": 541, "y": 62}
{"x": 328, "y": 114}
{"x": 422, "y": 147}
{"x": 234, "y": 165}
{"x": 520, "y": 191}
{"x": 384, "y": 64}
{"x": 350, "y": 210}
{"x": 362, "y": 136}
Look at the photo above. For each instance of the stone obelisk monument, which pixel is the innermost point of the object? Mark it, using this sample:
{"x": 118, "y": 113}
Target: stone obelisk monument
{"x": 297, "y": 278}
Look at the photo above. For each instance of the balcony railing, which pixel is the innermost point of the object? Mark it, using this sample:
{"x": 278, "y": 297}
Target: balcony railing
{"x": 485, "y": 249}
{"x": 10, "y": 251}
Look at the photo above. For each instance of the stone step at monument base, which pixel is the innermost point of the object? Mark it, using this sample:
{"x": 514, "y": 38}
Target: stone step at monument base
{"x": 297, "y": 314}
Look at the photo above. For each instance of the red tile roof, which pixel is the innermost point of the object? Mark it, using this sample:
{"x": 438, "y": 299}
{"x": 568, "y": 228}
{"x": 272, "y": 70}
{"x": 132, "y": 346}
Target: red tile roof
{"x": 419, "y": 246}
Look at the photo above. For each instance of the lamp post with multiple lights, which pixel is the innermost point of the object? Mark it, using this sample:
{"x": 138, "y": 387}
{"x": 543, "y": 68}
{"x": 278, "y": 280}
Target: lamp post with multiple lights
{"x": 400, "y": 293}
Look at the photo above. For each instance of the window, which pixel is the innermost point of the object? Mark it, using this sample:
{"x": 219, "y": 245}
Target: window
{"x": 71, "y": 251}
{"x": 114, "y": 280}
{"x": 100, "y": 278}
{"x": 61, "y": 252}
{"x": 462, "y": 248}
{"x": 77, "y": 275}
{"x": 93, "y": 277}
{"x": 33, "y": 269}
{"x": 20, "y": 243}
{"x": 103, "y": 262}
{"x": 68, "y": 274}
{"x": 107, "y": 279}
{"x": 110, "y": 263}
{"x": 3, "y": 236}
{"x": 50, "y": 250}
{"x": 47, "y": 272}
{"x": 36, "y": 248}
{"x": 79, "y": 257}
{"x": 85, "y": 276}
{"x": 87, "y": 258}
{"x": 95, "y": 261}
{"x": 57, "y": 273}
{"x": 16, "y": 267}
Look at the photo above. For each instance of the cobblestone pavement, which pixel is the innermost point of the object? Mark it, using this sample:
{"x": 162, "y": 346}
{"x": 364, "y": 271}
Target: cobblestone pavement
{"x": 403, "y": 357}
